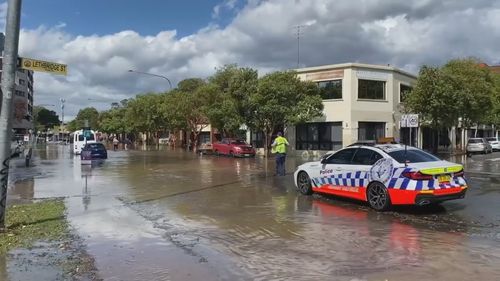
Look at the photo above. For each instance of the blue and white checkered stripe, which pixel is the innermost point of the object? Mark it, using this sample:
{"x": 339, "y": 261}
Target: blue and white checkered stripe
{"x": 399, "y": 182}
{"x": 356, "y": 179}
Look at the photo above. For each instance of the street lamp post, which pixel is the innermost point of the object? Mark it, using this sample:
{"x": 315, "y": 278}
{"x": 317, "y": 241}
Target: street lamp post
{"x": 62, "y": 110}
{"x": 152, "y": 74}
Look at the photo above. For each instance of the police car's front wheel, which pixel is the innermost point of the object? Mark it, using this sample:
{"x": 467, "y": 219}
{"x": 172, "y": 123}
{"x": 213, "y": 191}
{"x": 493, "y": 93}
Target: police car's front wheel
{"x": 378, "y": 197}
{"x": 304, "y": 183}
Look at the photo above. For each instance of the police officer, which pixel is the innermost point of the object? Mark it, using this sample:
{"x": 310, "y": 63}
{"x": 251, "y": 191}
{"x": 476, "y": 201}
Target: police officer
{"x": 279, "y": 147}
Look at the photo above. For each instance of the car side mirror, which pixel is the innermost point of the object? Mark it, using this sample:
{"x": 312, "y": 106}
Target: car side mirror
{"x": 323, "y": 161}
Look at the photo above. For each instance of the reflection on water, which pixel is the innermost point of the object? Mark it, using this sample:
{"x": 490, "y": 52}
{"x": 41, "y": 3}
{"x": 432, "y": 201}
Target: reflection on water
{"x": 23, "y": 190}
{"x": 275, "y": 233}
{"x": 239, "y": 221}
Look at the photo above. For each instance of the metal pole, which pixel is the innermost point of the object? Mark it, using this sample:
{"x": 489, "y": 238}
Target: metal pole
{"x": 8, "y": 88}
{"x": 152, "y": 74}
{"x": 61, "y": 131}
{"x": 62, "y": 110}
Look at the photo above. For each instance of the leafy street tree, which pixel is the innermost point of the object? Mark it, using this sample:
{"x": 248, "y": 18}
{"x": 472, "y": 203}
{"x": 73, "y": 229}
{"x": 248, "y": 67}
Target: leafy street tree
{"x": 494, "y": 115}
{"x": 44, "y": 118}
{"x": 113, "y": 121}
{"x": 473, "y": 89}
{"x": 282, "y": 99}
{"x": 89, "y": 113}
{"x": 229, "y": 98}
{"x": 144, "y": 114}
{"x": 185, "y": 107}
{"x": 431, "y": 98}
{"x": 461, "y": 90}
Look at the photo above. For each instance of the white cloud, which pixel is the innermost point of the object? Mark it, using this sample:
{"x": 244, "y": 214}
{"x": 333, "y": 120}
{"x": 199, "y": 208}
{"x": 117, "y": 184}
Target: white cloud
{"x": 405, "y": 34}
{"x": 225, "y": 5}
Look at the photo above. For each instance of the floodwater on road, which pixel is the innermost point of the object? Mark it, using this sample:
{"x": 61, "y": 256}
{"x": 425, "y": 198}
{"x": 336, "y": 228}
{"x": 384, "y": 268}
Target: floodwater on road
{"x": 173, "y": 215}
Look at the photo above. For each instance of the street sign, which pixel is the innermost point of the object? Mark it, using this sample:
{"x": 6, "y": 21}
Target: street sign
{"x": 44, "y": 66}
{"x": 409, "y": 121}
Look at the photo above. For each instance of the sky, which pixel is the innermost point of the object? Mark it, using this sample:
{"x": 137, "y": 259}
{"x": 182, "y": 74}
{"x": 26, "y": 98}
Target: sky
{"x": 100, "y": 40}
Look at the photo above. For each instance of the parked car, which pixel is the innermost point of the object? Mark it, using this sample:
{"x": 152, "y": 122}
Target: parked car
{"x": 94, "y": 151}
{"x": 495, "y": 143}
{"x": 383, "y": 175}
{"x": 478, "y": 145}
{"x": 233, "y": 148}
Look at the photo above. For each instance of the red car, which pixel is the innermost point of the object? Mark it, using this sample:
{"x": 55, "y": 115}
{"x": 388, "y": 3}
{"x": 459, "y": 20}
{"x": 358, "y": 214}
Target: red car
{"x": 233, "y": 148}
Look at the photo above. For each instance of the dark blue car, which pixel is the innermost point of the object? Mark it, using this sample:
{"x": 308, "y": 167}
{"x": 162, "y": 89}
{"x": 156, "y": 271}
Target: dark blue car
{"x": 94, "y": 151}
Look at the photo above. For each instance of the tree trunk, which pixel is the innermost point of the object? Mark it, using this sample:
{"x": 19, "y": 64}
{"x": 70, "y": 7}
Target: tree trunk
{"x": 266, "y": 154}
{"x": 194, "y": 144}
{"x": 434, "y": 141}
{"x": 267, "y": 135}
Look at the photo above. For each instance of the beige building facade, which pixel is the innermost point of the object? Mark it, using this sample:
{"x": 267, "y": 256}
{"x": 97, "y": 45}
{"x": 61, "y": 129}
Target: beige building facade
{"x": 361, "y": 102}
{"x": 22, "y": 100}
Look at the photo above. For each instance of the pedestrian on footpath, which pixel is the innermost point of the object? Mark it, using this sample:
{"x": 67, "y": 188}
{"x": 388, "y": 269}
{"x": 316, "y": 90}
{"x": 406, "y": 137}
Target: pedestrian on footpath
{"x": 279, "y": 148}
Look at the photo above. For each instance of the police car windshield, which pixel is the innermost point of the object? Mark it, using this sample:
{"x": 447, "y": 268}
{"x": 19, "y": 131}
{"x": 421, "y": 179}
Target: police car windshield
{"x": 412, "y": 156}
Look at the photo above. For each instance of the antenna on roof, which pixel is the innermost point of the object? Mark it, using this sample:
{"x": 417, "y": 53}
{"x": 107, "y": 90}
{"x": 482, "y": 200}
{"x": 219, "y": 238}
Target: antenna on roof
{"x": 299, "y": 32}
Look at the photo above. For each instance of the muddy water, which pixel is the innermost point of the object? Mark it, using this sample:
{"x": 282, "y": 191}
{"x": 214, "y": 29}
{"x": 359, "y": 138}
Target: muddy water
{"x": 171, "y": 215}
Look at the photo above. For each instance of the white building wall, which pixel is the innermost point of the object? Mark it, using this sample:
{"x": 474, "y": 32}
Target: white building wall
{"x": 351, "y": 110}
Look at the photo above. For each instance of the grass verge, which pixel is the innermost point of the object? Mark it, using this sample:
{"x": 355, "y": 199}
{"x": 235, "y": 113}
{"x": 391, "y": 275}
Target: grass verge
{"x": 29, "y": 223}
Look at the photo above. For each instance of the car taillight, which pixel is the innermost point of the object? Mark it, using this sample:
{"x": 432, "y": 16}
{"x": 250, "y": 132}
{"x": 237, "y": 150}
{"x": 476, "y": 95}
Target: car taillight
{"x": 417, "y": 176}
{"x": 459, "y": 174}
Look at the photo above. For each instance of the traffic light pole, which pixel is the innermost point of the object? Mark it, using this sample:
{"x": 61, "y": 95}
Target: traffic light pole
{"x": 8, "y": 88}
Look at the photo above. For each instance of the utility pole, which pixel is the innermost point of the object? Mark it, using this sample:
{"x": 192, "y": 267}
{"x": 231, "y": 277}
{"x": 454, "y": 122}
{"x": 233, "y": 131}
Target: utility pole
{"x": 298, "y": 32}
{"x": 62, "y": 110}
{"x": 8, "y": 88}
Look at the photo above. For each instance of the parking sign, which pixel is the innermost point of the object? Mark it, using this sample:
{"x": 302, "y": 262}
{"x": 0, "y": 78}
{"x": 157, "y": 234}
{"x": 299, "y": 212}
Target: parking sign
{"x": 409, "y": 121}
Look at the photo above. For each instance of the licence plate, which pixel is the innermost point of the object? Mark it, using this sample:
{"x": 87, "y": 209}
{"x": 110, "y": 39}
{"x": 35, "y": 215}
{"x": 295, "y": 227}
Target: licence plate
{"x": 247, "y": 154}
{"x": 444, "y": 178}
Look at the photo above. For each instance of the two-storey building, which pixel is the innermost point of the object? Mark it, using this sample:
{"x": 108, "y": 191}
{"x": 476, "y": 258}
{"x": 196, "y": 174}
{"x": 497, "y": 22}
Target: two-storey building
{"x": 361, "y": 102}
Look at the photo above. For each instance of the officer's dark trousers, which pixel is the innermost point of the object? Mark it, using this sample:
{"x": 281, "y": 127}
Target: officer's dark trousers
{"x": 280, "y": 164}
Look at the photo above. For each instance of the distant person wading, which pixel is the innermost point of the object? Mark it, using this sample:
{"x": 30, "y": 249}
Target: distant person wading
{"x": 279, "y": 148}
{"x": 115, "y": 143}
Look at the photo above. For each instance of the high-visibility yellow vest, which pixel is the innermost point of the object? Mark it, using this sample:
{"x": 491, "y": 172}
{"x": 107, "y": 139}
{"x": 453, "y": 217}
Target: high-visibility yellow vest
{"x": 280, "y": 145}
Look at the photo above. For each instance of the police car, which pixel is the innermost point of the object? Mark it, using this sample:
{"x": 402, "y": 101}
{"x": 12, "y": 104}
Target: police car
{"x": 383, "y": 175}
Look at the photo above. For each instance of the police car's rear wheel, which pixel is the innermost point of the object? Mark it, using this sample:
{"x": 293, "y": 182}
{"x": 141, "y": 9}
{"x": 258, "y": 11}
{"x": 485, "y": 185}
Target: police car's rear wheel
{"x": 378, "y": 197}
{"x": 304, "y": 183}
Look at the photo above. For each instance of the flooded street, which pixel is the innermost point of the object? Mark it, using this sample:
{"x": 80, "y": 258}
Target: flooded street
{"x": 173, "y": 215}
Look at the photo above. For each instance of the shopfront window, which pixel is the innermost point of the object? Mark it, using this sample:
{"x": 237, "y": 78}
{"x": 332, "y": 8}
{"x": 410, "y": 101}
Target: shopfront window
{"x": 371, "y": 89}
{"x": 319, "y": 136}
{"x": 404, "y": 90}
{"x": 330, "y": 89}
{"x": 371, "y": 130}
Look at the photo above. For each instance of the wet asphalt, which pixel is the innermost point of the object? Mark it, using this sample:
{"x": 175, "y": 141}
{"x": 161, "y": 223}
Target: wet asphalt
{"x": 174, "y": 215}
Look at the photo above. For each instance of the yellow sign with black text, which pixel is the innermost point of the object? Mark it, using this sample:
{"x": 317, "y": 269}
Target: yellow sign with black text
{"x": 45, "y": 66}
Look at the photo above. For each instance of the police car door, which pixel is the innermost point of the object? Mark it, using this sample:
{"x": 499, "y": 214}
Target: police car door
{"x": 362, "y": 162}
{"x": 334, "y": 167}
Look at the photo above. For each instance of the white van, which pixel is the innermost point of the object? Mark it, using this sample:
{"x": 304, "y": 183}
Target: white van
{"x": 79, "y": 140}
